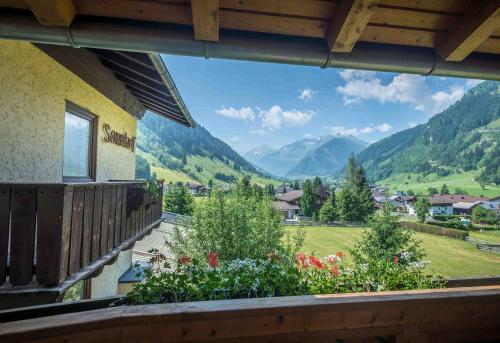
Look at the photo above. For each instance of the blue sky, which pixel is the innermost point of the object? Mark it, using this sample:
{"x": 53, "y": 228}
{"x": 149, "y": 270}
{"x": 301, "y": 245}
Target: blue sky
{"x": 248, "y": 104}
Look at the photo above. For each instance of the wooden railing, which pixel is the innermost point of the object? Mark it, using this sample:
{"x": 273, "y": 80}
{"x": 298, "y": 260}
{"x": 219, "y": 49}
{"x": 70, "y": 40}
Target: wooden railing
{"x": 49, "y": 232}
{"x": 470, "y": 314}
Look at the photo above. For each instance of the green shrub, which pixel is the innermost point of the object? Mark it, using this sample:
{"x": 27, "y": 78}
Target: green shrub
{"x": 485, "y": 227}
{"x": 452, "y": 224}
{"x": 236, "y": 227}
{"x": 437, "y": 230}
{"x": 447, "y": 217}
{"x": 178, "y": 200}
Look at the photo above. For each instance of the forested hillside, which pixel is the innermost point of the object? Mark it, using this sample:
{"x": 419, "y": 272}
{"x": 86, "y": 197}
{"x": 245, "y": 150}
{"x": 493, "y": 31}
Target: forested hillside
{"x": 178, "y": 153}
{"x": 463, "y": 138}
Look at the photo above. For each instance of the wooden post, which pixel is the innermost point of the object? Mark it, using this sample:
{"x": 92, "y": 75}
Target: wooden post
{"x": 54, "y": 209}
{"x": 4, "y": 229}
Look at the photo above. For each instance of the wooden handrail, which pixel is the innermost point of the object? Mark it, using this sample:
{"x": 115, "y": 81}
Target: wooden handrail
{"x": 56, "y": 230}
{"x": 444, "y": 315}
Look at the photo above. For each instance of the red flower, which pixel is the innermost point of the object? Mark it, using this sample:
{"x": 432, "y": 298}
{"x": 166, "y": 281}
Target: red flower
{"x": 213, "y": 259}
{"x": 335, "y": 271}
{"x": 184, "y": 259}
{"x": 340, "y": 254}
{"x": 301, "y": 258}
{"x": 314, "y": 261}
{"x": 396, "y": 260}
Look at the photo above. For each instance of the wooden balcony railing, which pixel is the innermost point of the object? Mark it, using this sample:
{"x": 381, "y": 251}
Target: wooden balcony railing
{"x": 470, "y": 314}
{"x": 50, "y": 232}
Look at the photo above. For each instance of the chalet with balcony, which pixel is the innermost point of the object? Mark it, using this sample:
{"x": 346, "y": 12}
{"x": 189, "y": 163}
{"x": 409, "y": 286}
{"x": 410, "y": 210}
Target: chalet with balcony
{"x": 70, "y": 209}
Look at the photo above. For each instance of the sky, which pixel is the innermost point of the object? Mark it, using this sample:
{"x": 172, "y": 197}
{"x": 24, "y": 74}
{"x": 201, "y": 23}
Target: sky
{"x": 247, "y": 104}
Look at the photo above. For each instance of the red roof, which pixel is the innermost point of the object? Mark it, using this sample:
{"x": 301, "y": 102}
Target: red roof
{"x": 452, "y": 199}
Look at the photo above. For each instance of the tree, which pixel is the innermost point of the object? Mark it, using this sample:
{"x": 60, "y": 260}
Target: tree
{"x": 179, "y": 200}
{"x": 269, "y": 190}
{"x": 411, "y": 192}
{"x": 307, "y": 199}
{"x": 327, "y": 213}
{"x": 244, "y": 187}
{"x": 257, "y": 190}
{"x": 385, "y": 240}
{"x": 432, "y": 190}
{"x": 142, "y": 168}
{"x": 332, "y": 199}
{"x": 211, "y": 183}
{"x": 460, "y": 191}
{"x": 350, "y": 172}
{"x": 317, "y": 182}
{"x": 348, "y": 205}
{"x": 444, "y": 189}
{"x": 422, "y": 206}
{"x": 355, "y": 180}
{"x": 296, "y": 185}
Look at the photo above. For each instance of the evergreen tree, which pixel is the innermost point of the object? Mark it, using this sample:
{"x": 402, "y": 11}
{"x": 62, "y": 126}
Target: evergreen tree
{"x": 211, "y": 183}
{"x": 332, "y": 200}
{"x": 257, "y": 191}
{"x": 269, "y": 190}
{"x": 307, "y": 200}
{"x": 184, "y": 159}
{"x": 317, "y": 182}
{"x": 348, "y": 205}
{"x": 179, "y": 200}
{"x": 327, "y": 213}
{"x": 350, "y": 172}
{"x": 432, "y": 190}
{"x": 355, "y": 181}
{"x": 244, "y": 188}
{"x": 296, "y": 185}
{"x": 444, "y": 189}
{"x": 422, "y": 206}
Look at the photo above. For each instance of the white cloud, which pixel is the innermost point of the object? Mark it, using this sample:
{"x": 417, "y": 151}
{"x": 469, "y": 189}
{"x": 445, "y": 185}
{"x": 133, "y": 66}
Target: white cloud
{"x": 443, "y": 100}
{"x": 308, "y": 135}
{"x": 259, "y": 131}
{"x": 306, "y": 94}
{"x": 412, "y": 124}
{"x": 234, "y": 138}
{"x": 354, "y": 131}
{"x": 403, "y": 88}
{"x": 275, "y": 117}
{"x": 244, "y": 113}
{"x": 472, "y": 82}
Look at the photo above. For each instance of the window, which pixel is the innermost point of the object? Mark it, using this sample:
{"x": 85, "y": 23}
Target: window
{"x": 79, "y": 144}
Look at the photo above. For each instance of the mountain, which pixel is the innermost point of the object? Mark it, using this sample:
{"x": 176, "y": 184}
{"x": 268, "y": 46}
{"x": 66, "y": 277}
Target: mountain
{"x": 328, "y": 158}
{"x": 255, "y": 154}
{"x": 465, "y": 138}
{"x": 177, "y": 153}
{"x": 281, "y": 161}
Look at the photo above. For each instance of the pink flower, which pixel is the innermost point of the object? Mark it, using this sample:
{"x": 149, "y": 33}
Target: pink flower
{"x": 340, "y": 254}
{"x": 335, "y": 271}
{"x": 314, "y": 261}
{"x": 213, "y": 259}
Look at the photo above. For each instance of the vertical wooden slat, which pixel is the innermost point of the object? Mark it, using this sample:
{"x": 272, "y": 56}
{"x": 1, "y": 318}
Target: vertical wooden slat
{"x": 123, "y": 230}
{"x": 76, "y": 230}
{"x": 104, "y": 221}
{"x": 53, "y": 208}
{"x": 23, "y": 222}
{"x": 96, "y": 223}
{"x": 88, "y": 222}
{"x": 118, "y": 214}
{"x": 4, "y": 229}
{"x": 111, "y": 220}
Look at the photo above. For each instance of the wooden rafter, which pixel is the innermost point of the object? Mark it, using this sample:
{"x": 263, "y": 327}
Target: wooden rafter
{"x": 476, "y": 26}
{"x": 349, "y": 21}
{"x": 53, "y": 12}
{"x": 205, "y": 19}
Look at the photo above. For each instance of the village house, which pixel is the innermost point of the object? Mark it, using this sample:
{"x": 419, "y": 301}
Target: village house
{"x": 445, "y": 204}
{"x": 69, "y": 208}
{"x": 287, "y": 210}
{"x": 293, "y": 197}
{"x": 467, "y": 207}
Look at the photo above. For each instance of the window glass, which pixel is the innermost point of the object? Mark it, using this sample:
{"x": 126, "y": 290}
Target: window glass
{"x": 77, "y": 146}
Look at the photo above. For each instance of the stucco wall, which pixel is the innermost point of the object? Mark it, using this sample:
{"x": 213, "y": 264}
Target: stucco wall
{"x": 106, "y": 284}
{"x": 34, "y": 90}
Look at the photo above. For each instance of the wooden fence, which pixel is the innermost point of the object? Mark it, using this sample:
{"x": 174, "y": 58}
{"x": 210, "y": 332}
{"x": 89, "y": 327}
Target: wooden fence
{"x": 50, "y": 231}
{"x": 491, "y": 248}
{"x": 469, "y": 314}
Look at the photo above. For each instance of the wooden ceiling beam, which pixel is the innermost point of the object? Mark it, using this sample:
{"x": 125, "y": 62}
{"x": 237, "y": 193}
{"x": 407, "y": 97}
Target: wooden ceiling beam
{"x": 205, "y": 19}
{"x": 53, "y": 12}
{"x": 349, "y": 21}
{"x": 473, "y": 29}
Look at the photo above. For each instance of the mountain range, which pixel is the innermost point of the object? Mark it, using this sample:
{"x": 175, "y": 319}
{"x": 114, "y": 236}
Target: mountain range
{"x": 307, "y": 157}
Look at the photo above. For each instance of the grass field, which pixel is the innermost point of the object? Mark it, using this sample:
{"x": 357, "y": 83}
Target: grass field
{"x": 465, "y": 181}
{"x": 449, "y": 257}
{"x": 489, "y": 236}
